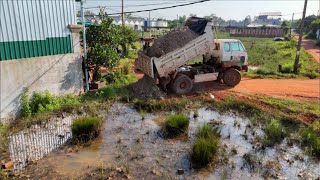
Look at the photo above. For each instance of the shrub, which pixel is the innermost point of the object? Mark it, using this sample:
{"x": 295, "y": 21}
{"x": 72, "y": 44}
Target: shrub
{"x": 86, "y": 128}
{"x": 287, "y": 68}
{"x": 46, "y": 102}
{"x": 112, "y": 77}
{"x": 176, "y": 124}
{"x": 125, "y": 69}
{"x": 265, "y": 71}
{"x": 206, "y": 145}
{"x": 311, "y": 140}
{"x": 310, "y": 74}
{"x": 273, "y": 132}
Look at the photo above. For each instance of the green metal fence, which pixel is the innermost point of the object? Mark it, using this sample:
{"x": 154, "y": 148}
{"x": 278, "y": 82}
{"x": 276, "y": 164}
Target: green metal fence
{"x": 32, "y": 28}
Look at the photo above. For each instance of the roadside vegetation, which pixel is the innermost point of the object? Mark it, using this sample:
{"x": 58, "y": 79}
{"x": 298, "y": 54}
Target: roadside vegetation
{"x": 206, "y": 145}
{"x": 267, "y": 55}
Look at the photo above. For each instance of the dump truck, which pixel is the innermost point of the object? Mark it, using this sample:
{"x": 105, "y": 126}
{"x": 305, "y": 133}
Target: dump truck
{"x": 222, "y": 59}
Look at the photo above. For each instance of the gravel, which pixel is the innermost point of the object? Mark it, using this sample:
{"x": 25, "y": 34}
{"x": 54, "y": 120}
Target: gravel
{"x": 173, "y": 40}
{"x": 146, "y": 88}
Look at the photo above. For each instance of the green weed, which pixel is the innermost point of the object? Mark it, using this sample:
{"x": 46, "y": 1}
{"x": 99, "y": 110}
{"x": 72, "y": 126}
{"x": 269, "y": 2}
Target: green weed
{"x": 86, "y": 128}
{"x": 311, "y": 140}
{"x": 207, "y": 131}
{"x": 206, "y": 145}
{"x": 176, "y": 124}
{"x": 273, "y": 132}
{"x": 46, "y": 102}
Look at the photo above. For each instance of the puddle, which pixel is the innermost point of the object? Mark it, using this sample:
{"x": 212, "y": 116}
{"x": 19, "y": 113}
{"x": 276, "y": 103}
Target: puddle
{"x": 137, "y": 145}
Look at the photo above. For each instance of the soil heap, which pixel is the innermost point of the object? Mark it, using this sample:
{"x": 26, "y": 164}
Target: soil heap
{"x": 173, "y": 40}
{"x": 146, "y": 88}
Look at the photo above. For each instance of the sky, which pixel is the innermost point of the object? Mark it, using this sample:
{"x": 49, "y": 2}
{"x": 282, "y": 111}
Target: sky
{"x": 227, "y": 9}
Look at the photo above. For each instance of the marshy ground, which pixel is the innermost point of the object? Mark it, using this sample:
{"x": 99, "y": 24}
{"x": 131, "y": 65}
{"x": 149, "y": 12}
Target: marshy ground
{"x": 134, "y": 145}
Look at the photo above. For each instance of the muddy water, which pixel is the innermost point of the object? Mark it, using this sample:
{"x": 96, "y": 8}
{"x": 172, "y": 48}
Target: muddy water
{"x": 279, "y": 162}
{"x": 137, "y": 146}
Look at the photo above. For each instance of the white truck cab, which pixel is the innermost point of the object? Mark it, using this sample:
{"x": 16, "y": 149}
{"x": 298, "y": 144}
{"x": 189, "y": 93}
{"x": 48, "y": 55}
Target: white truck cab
{"x": 228, "y": 50}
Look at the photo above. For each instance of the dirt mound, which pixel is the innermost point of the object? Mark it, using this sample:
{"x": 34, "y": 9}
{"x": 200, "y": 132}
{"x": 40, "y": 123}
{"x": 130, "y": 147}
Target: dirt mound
{"x": 175, "y": 39}
{"x": 146, "y": 88}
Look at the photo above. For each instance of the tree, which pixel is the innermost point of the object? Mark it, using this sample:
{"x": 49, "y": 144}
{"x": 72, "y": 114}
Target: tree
{"x": 285, "y": 24}
{"x": 314, "y": 26}
{"x": 103, "y": 41}
{"x": 247, "y": 20}
{"x": 180, "y": 22}
{"x": 128, "y": 38}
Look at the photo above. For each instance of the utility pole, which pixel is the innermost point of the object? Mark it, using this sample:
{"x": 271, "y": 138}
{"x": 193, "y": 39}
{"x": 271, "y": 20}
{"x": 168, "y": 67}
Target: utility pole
{"x": 84, "y": 39}
{"x": 296, "y": 62}
{"x": 122, "y": 17}
{"x": 149, "y": 25}
{"x": 291, "y": 27}
{"x": 177, "y": 20}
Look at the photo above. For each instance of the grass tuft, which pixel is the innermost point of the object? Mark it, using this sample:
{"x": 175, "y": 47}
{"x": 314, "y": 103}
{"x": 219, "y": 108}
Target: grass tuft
{"x": 311, "y": 140}
{"x": 86, "y": 128}
{"x": 176, "y": 124}
{"x": 206, "y": 145}
{"x": 273, "y": 132}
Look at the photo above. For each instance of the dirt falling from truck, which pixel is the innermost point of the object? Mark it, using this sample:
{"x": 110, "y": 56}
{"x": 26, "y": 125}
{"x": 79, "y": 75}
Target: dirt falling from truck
{"x": 146, "y": 88}
{"x": 175, "y": 39}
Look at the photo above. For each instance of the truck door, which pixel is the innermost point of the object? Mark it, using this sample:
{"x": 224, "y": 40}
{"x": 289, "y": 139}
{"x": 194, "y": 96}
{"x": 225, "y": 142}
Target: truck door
{"x": 238, "y": 52}
{"x": 226, "y": 52}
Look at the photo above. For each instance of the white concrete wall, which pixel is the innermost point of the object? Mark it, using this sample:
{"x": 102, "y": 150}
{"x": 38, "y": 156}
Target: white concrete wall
{"x": 60, "y": 74}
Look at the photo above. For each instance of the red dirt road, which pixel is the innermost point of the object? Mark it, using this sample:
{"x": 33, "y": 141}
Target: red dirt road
{"x": 311, "y": 48}
{"x": 282, "y": 88}
{"x": 304, "y": 88}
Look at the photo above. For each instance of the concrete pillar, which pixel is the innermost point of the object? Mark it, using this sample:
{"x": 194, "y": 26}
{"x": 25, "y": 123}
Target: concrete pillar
{"x": 75, "y": 31}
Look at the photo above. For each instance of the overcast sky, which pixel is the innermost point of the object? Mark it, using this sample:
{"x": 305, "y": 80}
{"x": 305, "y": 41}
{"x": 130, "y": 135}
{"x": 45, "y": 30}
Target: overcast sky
{"x": 227, "y": 9}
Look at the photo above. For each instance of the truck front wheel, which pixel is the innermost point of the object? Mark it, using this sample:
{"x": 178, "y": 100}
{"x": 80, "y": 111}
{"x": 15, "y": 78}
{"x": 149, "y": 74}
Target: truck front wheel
{"x": 231, "y": 77}
{"x": 182, "y": 84}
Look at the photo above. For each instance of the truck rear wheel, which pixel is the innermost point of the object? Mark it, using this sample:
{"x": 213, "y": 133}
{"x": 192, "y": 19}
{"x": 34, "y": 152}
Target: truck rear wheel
{"x": 182, "y": 84}
{"x": 231, "y": 77}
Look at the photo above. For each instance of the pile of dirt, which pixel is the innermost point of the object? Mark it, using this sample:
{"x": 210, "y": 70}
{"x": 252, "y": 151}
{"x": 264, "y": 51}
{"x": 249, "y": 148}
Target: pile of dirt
{"x": 146, "y": 88}
{"x": 173, "y": 40}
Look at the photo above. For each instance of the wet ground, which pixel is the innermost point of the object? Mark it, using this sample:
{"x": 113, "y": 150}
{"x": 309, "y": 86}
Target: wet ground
{"x": 133, "y": 143}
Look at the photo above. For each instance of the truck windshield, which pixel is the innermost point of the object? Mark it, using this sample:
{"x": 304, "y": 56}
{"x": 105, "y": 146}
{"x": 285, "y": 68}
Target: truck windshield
{"x": 235, "y": 46}
{"x": 241, "y": 47}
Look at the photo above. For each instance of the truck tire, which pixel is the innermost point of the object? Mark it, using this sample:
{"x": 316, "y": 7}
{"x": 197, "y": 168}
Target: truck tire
{"x": 182, "y": 84}
{"x": 231, "y": 77}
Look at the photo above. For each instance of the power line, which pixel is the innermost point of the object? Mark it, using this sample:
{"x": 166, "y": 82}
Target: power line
{"x": 168, "y": 7}
{"x": 138, "y": 5}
